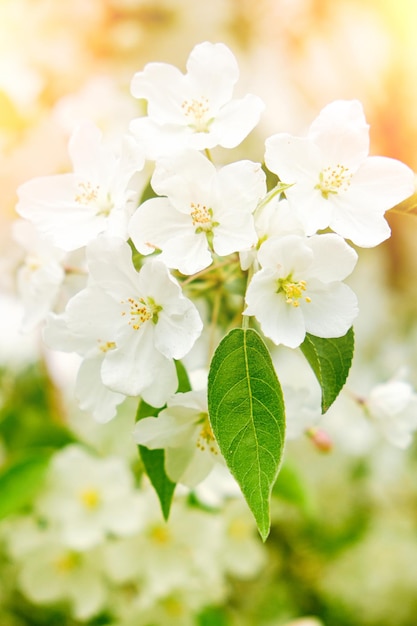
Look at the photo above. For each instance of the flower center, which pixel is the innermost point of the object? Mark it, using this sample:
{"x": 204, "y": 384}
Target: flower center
{"x": 205, "y": 439}
{"x": 67, "y": 562}
{"x": 141, "y": 311}
{"x": 89, "y": 195}
{"x": 292, "y": 291}
{"x": 90, "y": 498}
{"x": 195, "y": 111}
{"x": 202, "y": 218}
{"x": 333, "y": 180}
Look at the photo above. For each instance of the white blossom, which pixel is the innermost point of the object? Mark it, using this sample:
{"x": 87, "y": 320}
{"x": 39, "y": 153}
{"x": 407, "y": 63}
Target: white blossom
{"x": 392, "y": 407}
{"x": 99, "y": 196}
{"x": 183, "y": 430}
{"x": 204, "y": 209}
{"x": 299, "y": 288}
{"x": 139, "y": 321}
{"x": 334, "y": 182}
{"x": 195, "y": 110}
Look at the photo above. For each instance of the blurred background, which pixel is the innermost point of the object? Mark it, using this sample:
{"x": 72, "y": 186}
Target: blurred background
{"x": 343, "y": 545}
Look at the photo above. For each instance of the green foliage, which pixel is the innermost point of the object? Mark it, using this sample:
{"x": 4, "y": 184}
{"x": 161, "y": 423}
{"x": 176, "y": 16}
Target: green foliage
{"x": 247, "y": 415}
{"x": 20, "y": 482}
{"x": 330, "y": 360}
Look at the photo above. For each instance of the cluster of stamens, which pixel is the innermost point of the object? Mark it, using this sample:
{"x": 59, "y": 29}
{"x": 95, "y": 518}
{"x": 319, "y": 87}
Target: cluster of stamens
{"x": 87, "y": 193}
{"x": 205, "y": 437}
{"x": 139, "y": 312}
{"x": 293, "y": 291}
{"x": 105, "y": 346}
{"x": 333, "y": 180}
{"x": 202, "y": 217}
{"x": 196, "y": 111}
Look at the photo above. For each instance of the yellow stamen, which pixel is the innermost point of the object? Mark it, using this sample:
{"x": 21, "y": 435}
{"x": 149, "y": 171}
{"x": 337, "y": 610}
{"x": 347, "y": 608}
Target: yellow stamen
{"x": 195, "y": 111}
{"x": 333, "y": 180}
{"x": 293, "y": 291}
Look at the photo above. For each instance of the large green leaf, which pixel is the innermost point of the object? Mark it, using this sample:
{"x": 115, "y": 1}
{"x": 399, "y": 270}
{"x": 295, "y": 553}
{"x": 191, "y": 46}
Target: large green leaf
{"x": 247, "y": 415}
{"x": 154, "y": 460}
{"x": 20, "y": 482}
{"x": 330, "y": 360}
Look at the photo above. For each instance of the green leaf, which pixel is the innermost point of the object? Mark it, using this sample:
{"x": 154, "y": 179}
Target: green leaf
{"x": 330, "y": 360}
{"x": 154, "y": 463}
{"x": 246, "y": 410}
{"x": 20, "y": 482}
{"x": 290, "y": 488}
{"x": 154, "y": 460}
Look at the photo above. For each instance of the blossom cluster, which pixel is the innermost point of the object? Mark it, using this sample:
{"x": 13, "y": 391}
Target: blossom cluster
{"x": 94, "y": 543}
{"x": 132, "y": 277}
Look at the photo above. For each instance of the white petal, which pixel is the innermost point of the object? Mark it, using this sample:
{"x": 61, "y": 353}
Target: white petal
{"x": 236, "y": 120}
{"x": 240, "y": 186}
{"x": 333, "y": 259}
{"x": 185, "y": 179}
{"x": 162, "y": 85}
{"x": 212, "y": 72}
{"x": 91, "y": 393}
{"x": 341, "y": 133}
{"x": 331, "y": 311}
{"x": 163, "y": 431}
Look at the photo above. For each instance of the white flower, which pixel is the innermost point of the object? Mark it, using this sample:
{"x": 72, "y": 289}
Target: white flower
{"x": 183, "y": 430}
{"x": 392, "y": 407}
{"x": 87, "y": 498}
{"x": 140, "y": 321}
{"x": 205, "y": 208}
{"x": 334, "y": 182}
{"x": 98, "y": 196}
{"x": 47, "y": 277}
{"x": 298, "y": 289}
{"x": 195, "y": 110}
{"x": 54, "y": 573}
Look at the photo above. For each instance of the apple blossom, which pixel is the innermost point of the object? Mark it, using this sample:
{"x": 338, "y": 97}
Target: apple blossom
{"x": 204, "y": 209}
{"x": 195, "y": 110}
{"x": 88, "y": 497}
{"x": 140, "y": 321}
{"x": 298, "y": 289}
{"x": 183, "y": 430}
{"x": 334, "y": 182}
{"x": 101, "y": 193}
{"x": 392, "y": 407}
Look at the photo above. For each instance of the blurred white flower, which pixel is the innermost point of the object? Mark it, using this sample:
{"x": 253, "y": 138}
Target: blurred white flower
{"x": 205, "y": 209}
{"x": 100, "y": 195}
{"x": 87, "y": 498}
{"x": 334, "y": 182}
{"x": 195, "y": 110}
{"x": 392, "y": 407}
{"x": 299, "y": 288}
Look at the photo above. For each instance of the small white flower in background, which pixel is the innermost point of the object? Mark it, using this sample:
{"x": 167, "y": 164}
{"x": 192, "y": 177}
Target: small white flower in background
{"x": 147, "y": 323}
{"x": 298, "y": 289}
{"x": 392, "y": 407}
{"x": 99, "y": 196}
{"x": 302, "y": 410}
{"x": 53, "y": 573}
{"x": 334, "y": 182}
{"x": 183, "y": 430}
{"x": 87, "y": 498}
{"x": 195, "y": 110}
{"x": 47, "y": 276}
{"x": 205, "y": 208}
